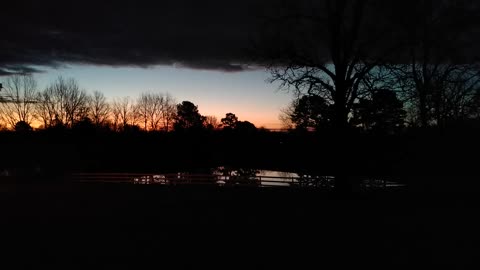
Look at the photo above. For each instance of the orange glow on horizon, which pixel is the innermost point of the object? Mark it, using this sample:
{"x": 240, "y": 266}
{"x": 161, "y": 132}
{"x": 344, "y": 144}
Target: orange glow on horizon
{"x": 266, "y": 117}
{"x": 260, "y": 121}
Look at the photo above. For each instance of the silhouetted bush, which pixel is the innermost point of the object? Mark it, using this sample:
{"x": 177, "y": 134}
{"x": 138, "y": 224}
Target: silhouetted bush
{"x": 22, "y": 126}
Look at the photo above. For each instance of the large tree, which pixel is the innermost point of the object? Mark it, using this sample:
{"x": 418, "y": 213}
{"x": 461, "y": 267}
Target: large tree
{"x": 327, "y": 48}
{"x": 331, "y": 48}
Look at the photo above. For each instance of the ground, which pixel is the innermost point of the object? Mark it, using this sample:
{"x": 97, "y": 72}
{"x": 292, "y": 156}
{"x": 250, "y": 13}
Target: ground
{"x": 135, "y": 226}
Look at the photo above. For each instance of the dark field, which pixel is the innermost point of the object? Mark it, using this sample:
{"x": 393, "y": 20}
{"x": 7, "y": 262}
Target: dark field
{"x": 122, "y": 226}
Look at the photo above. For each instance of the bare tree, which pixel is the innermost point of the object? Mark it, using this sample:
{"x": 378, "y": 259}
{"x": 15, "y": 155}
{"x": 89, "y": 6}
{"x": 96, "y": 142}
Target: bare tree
{"x": 436, "y": 82}
{"x": 474, "y": 108}
{"x": 143, "y": 108}
{"x": 20, "y": 92}
{"x": 45, "y": 110}
{"x": 156, "y": 111}
{"x": 454, "y": 94}
{"x": 169, "y": 112}
{"x": 116, "y": 114}
{"x": 76, "y": 102}
{"x": 99, "y": 108}
{"x": 150, "y": 107}
{"x": 211, "y": 122}
{"x": 124, "y": 113}
{"x": 50, "y": 108}
{"x": 62, "y": 102}
{"x": 285, "y": 116}
{"x": 327, "y": 48}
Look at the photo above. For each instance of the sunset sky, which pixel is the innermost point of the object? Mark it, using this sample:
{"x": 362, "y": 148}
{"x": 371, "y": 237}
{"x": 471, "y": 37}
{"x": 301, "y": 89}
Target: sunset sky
{"x": 247, "y": 94}
{"x": 200, "y": 51}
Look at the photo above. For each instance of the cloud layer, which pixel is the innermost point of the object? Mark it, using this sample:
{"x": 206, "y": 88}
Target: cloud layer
{"x": 207, "y": 35}
{"x": 214, "y": 34}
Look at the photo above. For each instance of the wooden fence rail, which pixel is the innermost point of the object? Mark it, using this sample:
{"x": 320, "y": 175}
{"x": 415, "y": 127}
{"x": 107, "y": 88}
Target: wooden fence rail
{"x": 200, "y": 179}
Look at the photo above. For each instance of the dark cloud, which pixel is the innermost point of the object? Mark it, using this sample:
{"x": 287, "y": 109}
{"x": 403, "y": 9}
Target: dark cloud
{"x": 196, "y": 34}
{"x": 207, "y": 35}
{"x": 18, "y": 69}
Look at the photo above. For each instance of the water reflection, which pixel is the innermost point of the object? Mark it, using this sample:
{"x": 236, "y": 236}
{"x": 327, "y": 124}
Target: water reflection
{"x": 317, "y": 181}
{"x": 237, "y": 176}
{"x": 234, "y": 176}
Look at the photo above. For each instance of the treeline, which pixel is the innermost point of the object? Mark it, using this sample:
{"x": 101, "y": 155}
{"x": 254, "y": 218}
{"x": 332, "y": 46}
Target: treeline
{"x": 420, "y": 159}
{"x": 63, "y": 104}
{"x": 395, "y": 100}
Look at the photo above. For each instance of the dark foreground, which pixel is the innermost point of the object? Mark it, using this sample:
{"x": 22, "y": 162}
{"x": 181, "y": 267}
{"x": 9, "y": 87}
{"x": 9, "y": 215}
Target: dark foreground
{"x": 135, "y": 227}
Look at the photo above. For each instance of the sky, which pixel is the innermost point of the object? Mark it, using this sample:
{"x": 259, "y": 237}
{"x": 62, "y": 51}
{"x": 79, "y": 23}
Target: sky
{"x": 247, "y": 94}
{"x": 198, "y": 51}
{"x": 207, "y": 52}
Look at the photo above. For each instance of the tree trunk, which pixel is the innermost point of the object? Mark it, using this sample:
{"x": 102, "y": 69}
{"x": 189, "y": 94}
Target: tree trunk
{"x": 346, "y": 183}
{"x": 341, "y": 155}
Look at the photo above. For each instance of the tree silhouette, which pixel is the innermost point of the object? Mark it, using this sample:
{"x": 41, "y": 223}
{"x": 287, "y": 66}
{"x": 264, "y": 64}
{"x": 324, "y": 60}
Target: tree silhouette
{"x": 85, "y": 125}
{"x": 20, "y": 92}
{"x": 99, "y": 108}
{"x": 124, "y": 112}
{"x": 245, "y": 127}
{"x": 332, "y": 48}
{"x": 335, "y": 45}
{"x": 436, "y": 80}
{"x": 211, "y": 122}
{"x": 22, "y": 126}
{"x": 63, "y": 101}
{"x": 188, "y": 117}
{"x": 229, "y": 121}
{"x": 149, "y": 108}
{"x": 169, "y": 111}
{"x": 311, "y": 111}
{"x": 474, "y": 106}
{"x": 383, "y": 112}
{"x": 285, "y": 116}
{"x": 156, "y": 111}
